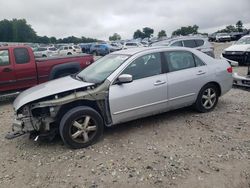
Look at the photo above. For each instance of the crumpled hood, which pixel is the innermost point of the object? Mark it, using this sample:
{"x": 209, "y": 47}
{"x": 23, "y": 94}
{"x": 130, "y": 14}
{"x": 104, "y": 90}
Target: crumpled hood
{"x": 47, "y": 89}
{"x": 239, "y": 48}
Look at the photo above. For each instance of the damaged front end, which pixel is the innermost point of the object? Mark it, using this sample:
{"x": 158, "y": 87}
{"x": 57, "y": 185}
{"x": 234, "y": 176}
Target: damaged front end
{"x": 41, "y": 117}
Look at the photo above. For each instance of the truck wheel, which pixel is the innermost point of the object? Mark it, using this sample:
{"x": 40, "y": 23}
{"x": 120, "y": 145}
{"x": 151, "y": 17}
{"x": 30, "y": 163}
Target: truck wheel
{"x": 80, "y": 127}
{"x": 207, "y": 98}
{"x": 44, "y": 55}
{"x": 69, "y": 53}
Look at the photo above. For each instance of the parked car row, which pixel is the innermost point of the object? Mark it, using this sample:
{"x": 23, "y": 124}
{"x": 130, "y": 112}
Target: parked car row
{"x": 224, "y": 37}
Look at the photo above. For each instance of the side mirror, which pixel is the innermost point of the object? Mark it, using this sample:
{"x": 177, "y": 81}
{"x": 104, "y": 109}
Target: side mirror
{"x": 124, "y": 78}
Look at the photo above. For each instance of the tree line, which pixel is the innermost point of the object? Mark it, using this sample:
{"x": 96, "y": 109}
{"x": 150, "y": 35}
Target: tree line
{"x": 18, "y": 30}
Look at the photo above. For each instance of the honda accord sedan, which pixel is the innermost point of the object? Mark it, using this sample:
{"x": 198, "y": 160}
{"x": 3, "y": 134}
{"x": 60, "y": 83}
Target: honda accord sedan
{"x": 120, "y": 87}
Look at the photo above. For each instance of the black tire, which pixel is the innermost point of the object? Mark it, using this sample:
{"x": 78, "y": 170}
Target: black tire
{"x": 44, "y": 56}
{"x": 69, "y": 53}
{"x": 200, "y": 104}
{"x": 68, "y": 130}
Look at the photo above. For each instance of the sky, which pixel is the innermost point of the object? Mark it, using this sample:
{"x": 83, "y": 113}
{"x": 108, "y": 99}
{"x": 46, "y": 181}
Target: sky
{"x": 101, "y": 18}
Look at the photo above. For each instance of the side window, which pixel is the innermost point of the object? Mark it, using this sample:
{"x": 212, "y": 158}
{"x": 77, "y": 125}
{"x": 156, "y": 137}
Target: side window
{"x": 4, "y": 58}
{"x": 177, "y": 43}
{"x": 199, "y": 42}
{"x": 198, "y": 61}
{"x": 179, "y": 60}
{"x": 145, "y": 66}
{"x": 70, "y": 48}
{"x": 66, "y": 48}
{"x": 21, "y": 55}
{"x": 189, "y": 43}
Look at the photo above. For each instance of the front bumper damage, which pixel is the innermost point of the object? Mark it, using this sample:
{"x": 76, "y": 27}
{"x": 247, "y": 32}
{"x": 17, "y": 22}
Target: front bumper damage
{"x": 241, "y": 81}
{"x": 19, "y": 127}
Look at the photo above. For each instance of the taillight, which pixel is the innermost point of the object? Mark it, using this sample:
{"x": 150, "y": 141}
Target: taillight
{"x": 229, "y": 69}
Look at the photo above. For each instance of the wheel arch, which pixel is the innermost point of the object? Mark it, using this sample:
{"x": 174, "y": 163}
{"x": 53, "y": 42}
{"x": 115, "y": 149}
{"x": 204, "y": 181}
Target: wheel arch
{"x": 71, "y": 67}
{"x": 215, "y": 84}
{"x": 66, "y": 107}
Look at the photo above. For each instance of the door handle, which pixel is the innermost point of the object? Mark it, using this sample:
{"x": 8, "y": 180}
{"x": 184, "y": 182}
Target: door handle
{"x": 159, "y": 82}
{"x": 7, "y": 70}
{"x": 201, "y": 72}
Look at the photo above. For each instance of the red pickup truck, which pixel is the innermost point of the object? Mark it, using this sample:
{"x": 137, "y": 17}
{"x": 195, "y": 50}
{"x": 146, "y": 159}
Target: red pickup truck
{"x": 20, "y": 70}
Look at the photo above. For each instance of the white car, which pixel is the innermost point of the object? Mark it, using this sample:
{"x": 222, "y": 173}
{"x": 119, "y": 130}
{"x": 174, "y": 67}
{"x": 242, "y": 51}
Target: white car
{"x": 222, "y": 37}
{"x": 239, "y": 51}
{"x": 239, "y": 54}
{"x": 45, "y": 52}
{"x": 69, "y": 50}
{"x": 128, "y": 45}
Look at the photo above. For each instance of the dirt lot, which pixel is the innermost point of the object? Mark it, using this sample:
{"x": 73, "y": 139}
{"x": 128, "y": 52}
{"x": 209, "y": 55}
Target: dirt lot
{"x": 177, "y": 149}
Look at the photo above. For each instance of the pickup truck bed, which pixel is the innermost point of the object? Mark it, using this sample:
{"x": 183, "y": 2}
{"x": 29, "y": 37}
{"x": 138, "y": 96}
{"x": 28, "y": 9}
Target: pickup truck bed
{"x": 20, "y": 70}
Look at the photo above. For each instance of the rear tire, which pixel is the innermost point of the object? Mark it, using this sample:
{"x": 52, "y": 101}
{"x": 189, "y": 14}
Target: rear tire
{"x": 81, "y": 127}
{"x": 207, "y": 98}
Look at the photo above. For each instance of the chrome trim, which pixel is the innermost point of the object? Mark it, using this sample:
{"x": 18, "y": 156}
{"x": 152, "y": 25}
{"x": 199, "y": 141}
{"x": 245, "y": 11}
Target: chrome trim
{"x": 151, "y": 104}
{"x": 135, "y": 108}
{"x": 188, "y": 95}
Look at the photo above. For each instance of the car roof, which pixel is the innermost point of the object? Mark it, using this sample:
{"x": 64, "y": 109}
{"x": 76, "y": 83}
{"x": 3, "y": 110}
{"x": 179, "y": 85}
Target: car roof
{"x": 133, "y": 51}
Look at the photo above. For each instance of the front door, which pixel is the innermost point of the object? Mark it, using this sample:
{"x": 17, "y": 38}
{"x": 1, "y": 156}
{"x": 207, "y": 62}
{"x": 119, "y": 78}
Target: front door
{"x": 145, "y": 95}
{"x": 7, "y": 73}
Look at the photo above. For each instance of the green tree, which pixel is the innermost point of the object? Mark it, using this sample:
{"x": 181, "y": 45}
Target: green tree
{"x": 138, "y": 34}
{"x": 186, "y": 30}
{"x": 6, "y": 31}
{"x": 115, "y": 37}
{"x": 148, "y": 32}
{"x": 162, "y": 33}
{"x": 239, "y": 26}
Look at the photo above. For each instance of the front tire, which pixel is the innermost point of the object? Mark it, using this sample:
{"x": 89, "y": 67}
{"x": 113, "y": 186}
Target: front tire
{"x": 207, "y": 98}
{"x": 81, "y": 127}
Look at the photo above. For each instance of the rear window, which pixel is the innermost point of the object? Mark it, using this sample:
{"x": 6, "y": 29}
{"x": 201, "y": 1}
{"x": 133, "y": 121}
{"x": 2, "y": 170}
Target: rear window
{"x": 199, "y": 42}
{"x": 4, "y": 58}
{"x": 189, "y": 43}
{"x": 177, "y": 43}
{"x": 41, "y": 49}
{"x": 52, "y": 49}
{"x": 21, "y": 55}
{"x": 76, "y": 47}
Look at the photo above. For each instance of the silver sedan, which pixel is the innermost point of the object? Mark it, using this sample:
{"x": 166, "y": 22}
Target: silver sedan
{"x": 121, "y": 87}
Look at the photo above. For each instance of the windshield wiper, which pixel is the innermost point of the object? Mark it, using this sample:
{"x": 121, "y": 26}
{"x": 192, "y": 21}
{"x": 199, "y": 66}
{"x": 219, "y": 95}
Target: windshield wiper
{"x": 80, "y": 78}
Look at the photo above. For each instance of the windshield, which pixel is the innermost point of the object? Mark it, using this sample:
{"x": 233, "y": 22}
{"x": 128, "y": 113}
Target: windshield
{"x": 244, "y": 40}
{"x": 102, "y": 68}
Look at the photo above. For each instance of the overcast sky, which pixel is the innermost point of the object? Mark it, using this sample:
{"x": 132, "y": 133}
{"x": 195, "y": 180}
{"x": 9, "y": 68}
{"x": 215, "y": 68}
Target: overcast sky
{"x": 101, "y": 18}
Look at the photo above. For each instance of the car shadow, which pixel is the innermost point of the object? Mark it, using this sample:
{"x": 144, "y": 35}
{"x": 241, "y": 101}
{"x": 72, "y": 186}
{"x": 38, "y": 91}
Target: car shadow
{"x": 123, "y": 129}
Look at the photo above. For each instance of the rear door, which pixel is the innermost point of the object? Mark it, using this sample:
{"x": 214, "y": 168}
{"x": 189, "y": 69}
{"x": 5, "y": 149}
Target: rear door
{"x": 186, "y": 76}
{"x": 7, "y": 73}
{"x": 25, "y": 68}
{"x": 145, "y": 95}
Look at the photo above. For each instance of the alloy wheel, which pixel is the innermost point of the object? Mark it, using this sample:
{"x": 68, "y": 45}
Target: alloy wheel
{"x": 208, "y": 98}
{"x": 83, "y": 129}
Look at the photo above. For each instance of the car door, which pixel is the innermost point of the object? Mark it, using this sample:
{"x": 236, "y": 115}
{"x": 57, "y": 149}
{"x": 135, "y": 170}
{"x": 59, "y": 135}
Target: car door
{"x": 145, "y": 95}
{"x": 7, "y": 73}
{"x": 25, "y": 68}
{"x": 186, "y": 75}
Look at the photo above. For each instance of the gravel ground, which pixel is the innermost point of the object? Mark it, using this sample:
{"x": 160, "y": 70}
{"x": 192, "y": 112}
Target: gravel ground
{"x": 181, "y": 148}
